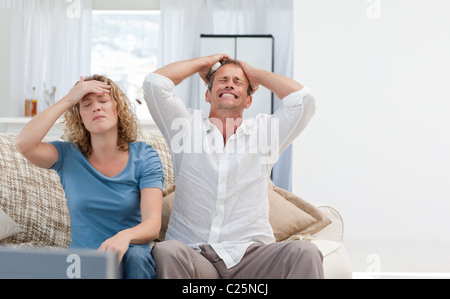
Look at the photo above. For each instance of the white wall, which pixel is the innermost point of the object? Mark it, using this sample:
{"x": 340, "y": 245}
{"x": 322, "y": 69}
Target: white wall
{"x": 378, "y": 148}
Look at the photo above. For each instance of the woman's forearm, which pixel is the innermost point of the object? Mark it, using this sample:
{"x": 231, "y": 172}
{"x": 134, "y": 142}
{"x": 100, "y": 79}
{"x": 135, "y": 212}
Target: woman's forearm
{"x": 35, "y": 130}
{"x": 32, "y": 134}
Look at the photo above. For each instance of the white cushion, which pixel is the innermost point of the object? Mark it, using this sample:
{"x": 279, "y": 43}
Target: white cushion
{"x": 7, "y": 226}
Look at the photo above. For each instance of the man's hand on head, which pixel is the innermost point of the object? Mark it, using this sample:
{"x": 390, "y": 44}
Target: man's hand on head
{"x": 252, "y": 75}
{"x": 209, "y": 62}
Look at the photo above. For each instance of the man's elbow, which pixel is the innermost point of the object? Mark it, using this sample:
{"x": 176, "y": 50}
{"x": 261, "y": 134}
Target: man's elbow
{"x": 309, "y": 101}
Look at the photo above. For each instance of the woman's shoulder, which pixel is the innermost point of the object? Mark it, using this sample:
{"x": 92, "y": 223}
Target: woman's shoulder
{"x": 141, "y": 145}
{"x": 63, "y": 145}
{"x": 146, "y": 154}
{"x": 142, "y": 148}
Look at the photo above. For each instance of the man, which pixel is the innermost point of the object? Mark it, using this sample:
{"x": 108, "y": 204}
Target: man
{"x": 219, "y": 226}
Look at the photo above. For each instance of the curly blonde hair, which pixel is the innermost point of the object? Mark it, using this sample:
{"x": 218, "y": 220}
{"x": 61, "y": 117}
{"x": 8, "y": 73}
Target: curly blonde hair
{"x": 127, "y": 125}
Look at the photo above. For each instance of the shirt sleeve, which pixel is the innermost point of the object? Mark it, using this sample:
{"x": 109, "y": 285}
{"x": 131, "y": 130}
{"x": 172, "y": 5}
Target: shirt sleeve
{"x": 293, "y": 116}
{"x": 152, "y": 174}
{"x": 62, "y": 148}
{"x": 164, "y": 106}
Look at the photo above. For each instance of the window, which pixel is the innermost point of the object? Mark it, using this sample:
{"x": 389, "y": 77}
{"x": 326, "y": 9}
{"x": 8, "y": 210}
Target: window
{"x": 124, "y": 48}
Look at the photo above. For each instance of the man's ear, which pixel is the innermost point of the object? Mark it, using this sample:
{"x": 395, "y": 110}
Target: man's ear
{"x": 249, "y": 102}
{"x": 207, "y": 95}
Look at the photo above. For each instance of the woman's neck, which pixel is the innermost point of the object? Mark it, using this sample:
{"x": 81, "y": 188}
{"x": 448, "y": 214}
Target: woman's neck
{"x": 104, "y": 146}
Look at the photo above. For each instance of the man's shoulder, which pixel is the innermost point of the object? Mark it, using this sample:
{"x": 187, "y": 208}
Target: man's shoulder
{"x": 155, "y": 79}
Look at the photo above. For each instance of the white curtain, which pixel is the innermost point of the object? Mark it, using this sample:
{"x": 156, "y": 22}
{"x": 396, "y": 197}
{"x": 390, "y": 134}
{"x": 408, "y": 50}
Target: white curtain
{"x": 182, "y": 22}
{"x": 56, "y": 43}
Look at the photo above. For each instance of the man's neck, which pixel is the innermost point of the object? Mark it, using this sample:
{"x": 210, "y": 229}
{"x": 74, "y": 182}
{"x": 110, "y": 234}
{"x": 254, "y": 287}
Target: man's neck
{"x": 227, "y": 124}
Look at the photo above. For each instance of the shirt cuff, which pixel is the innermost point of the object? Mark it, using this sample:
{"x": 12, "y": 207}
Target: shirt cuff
{"x": 296, "y": 97}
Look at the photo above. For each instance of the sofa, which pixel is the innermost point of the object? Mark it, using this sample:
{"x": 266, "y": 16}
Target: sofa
{"x": 33, "y": 210}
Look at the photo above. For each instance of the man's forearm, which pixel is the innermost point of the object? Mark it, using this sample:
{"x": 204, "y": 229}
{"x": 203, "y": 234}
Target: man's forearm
{"x": 280, "y": 85}
{"x": 180, "y": 70}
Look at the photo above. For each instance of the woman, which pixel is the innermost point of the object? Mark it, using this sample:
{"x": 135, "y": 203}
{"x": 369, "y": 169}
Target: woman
{"x": 112, "y": 183}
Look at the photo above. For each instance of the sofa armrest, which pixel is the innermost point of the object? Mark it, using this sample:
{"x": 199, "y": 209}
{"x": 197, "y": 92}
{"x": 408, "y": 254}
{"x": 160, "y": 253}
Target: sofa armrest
{"x": 336, "y": 263}
{"x": 335, "y": 230}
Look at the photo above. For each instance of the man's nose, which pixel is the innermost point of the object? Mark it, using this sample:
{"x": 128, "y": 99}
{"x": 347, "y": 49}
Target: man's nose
{"x": 230, "y": 85}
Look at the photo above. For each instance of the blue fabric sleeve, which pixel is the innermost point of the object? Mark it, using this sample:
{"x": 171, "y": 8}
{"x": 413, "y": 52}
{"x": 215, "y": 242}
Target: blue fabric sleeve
{"x": 62, "y": 148}
{"x": 152, "y": 174}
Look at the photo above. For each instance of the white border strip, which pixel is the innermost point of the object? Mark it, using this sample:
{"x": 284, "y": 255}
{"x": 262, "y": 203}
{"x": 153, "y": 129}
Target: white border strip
{"x": 401, "y": 274}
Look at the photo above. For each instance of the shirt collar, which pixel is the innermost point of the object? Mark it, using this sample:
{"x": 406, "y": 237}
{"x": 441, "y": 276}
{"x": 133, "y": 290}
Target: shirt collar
{"x": 245, "y": 127}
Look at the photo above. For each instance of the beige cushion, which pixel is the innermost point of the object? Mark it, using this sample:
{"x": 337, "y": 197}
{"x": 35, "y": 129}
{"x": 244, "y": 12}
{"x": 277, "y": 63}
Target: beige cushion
{"x": 7, "y": 226}
{"x": 34, "y": 199}
{"x": 157, "y": 141}
{"x": 289, "y": 214}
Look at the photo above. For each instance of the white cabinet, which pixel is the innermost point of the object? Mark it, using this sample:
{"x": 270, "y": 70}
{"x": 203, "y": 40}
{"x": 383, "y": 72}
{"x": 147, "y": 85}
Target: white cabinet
{"x": 256, "y": 50}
